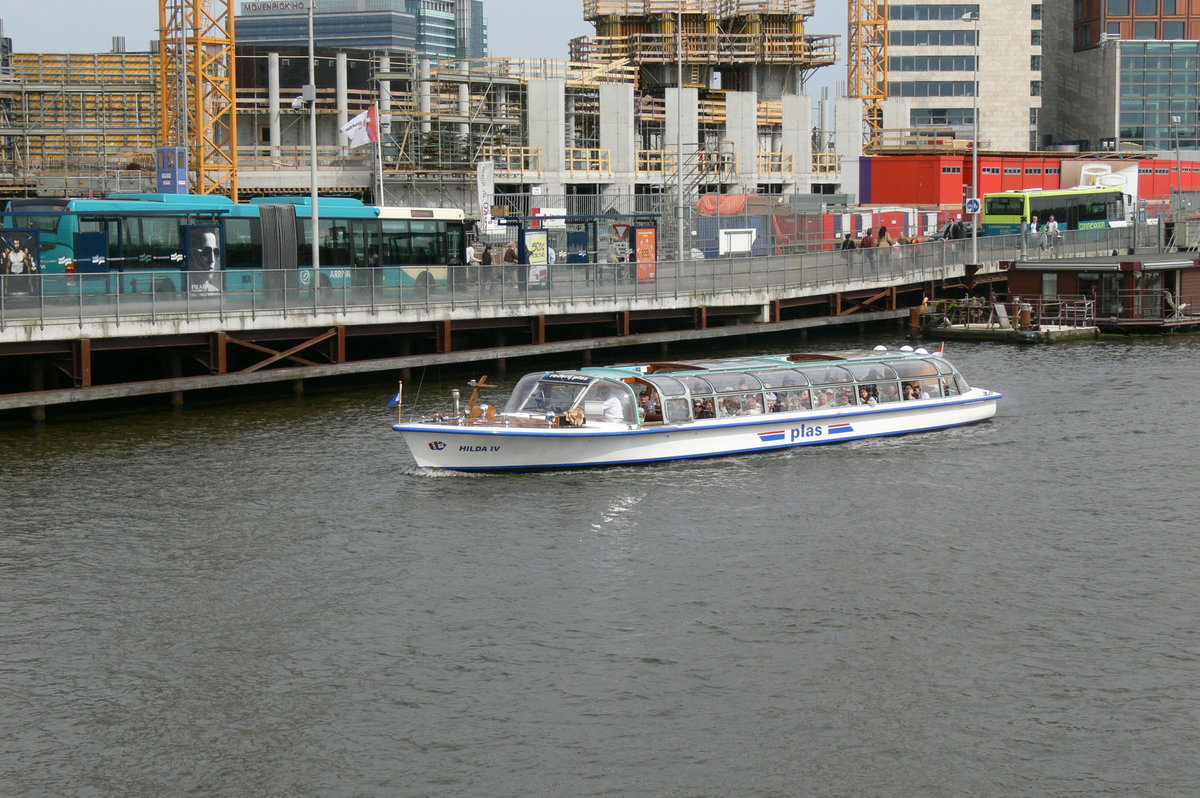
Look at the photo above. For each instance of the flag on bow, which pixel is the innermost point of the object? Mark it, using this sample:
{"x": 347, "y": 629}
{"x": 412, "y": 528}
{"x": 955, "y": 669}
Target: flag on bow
{"x": 364, "y": 128}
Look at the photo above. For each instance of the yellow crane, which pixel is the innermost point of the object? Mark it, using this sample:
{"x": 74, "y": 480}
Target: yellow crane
{"x": 867, "y": 68}
{"x": 197, "y": 89}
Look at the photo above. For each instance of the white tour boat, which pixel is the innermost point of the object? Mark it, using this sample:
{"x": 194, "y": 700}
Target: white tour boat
{"x": 640, "y": 413}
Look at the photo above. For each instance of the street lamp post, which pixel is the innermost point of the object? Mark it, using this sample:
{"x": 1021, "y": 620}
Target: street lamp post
{"x": 310, "y": 93}
{"x": 973, "y": 16}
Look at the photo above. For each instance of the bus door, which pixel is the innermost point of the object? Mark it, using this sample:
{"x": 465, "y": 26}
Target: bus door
{"x": 365, "y": 243}
{"x": 91, "y": 264}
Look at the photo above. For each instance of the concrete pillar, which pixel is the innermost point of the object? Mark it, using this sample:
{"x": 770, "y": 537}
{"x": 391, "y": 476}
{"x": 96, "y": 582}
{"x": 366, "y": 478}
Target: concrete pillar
{"x": 464, "y": 100}
{"x": 423, "y": 95}
{"x": 385, "y": 86}
{"x": 273, "y": 103}
{"x": 797, "y": 138}
{"x": 848, "y": 123}
{"x": 618, "y": 134}
{"x": 741, "y": 130}
{"x": 343, "y": 99}
{"x": 683, "y": 117}
{"x": 547, "y": 118}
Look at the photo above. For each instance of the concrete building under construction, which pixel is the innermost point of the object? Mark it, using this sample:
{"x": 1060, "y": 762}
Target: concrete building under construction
{"x": 667, "y": 100}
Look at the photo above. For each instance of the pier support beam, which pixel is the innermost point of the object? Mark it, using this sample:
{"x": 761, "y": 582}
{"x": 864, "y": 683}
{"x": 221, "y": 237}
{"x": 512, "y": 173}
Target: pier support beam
{"x": 176, "y": 398}
{"x": 37, "y": 382}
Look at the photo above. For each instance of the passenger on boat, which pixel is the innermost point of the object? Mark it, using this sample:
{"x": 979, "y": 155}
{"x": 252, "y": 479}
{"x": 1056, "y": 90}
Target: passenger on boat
{"x": 889, "y": 393}
{"x": 703, "y": 408}
{"x": 612, "y": 406}
{"x": 751, "y": 405}
{"x": 824, "y": 398}
{"x": 648, "y": 405}
{"x": 866, "y": 395}
{"x": 730, "y": 406}
{"x": 912, "y": 390}
{"x": 844, "y": 396}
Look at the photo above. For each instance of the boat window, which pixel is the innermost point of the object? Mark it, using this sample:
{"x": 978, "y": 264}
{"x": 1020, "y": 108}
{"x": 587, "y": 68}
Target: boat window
{"x": 781, "y": 378}
{"x": 740, "y": 404}
{"x": 942, "y": 366}
{"x": 732, "y": 382}
{"x": 792, "y": 378}
{"x": 597, "y": 404}
{"x": 546, "y": 395}
{"x": 888, "y": 391}
{"x": 667, "y": 386}
{"x": 695, "y": 385}
{"x": 790, "y": 401}
{"x": 872, "y": 372}
{"x": 827, "y": 396}
{"x": 825, "y": 374}
{"x": 703, "y": 407}
{"x": 915, "y": 368}
{"x": 949, "y": 387}
{"x": 676, "y": 411}
{"x": 521, "y": 393}
{"x": 963, "y": 387}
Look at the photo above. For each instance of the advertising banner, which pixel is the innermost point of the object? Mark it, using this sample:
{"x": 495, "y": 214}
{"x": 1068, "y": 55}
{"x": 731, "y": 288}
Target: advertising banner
{"x": 485, "y": 187}
{"x": 19, "y": 261}
{"x": 535, "y": 247}
{"x": 646, "y": 249}
{"x": 203, "y": 259}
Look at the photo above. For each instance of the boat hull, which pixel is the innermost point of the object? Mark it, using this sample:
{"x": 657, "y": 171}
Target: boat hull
{"x": 498, "y": 448}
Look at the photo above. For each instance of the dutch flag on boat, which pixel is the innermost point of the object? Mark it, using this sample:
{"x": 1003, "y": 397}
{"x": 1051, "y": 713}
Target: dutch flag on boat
{"x": 835, "y": 429}
{"x": 767, "y": 437}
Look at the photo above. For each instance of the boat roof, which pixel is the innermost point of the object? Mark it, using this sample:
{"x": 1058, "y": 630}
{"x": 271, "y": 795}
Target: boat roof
{"x": 750, "y": 363}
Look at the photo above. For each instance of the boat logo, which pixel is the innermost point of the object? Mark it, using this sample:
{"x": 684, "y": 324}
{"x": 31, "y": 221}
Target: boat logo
{"x": 437, "y": 446}
{"x": 775, "y": 435}
{"x": 834, "y": 429}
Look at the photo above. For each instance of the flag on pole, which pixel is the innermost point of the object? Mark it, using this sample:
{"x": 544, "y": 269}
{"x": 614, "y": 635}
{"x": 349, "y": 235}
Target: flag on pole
{"x": 364, "y": 128}
{"x": 940, "y": 350}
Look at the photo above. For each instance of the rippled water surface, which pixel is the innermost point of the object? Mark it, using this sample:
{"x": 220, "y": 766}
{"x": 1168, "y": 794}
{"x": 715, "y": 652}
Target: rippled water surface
{"x": 266, "y": 599}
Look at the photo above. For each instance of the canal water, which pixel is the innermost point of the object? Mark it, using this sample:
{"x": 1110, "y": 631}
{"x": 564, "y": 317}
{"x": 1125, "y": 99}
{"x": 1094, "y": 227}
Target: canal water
{"x": 266, "y": 599}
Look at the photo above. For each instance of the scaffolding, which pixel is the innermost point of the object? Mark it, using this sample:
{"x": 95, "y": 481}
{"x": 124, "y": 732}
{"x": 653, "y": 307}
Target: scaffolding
{"x": 77, "y": 113}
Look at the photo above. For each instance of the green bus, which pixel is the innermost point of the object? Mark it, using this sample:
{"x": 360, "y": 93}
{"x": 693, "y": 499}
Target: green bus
{"x": 1008, "y": 212}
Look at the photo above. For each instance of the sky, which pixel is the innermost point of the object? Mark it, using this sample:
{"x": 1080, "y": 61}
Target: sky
{"x": 517, "y": 28}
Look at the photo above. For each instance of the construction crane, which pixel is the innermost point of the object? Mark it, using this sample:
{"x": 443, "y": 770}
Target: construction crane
{"x": 197, "y": 87}
{"x": 867, "y": 71}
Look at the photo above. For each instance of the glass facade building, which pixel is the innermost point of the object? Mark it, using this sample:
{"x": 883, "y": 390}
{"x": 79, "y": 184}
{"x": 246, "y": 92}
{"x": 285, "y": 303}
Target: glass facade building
{"x": 1159, "y": 82}
{"x": 448, "y": 29}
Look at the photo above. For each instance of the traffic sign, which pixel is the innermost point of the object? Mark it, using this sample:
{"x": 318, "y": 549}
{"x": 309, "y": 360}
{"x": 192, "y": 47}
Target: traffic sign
{"x": 972, "y": 205}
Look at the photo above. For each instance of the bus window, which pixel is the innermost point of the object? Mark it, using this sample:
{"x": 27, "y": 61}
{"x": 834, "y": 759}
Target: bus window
{"x": 243, "y": 244}
{"x": 426, "y": 244}
{"x": 1004, "y": 206}
{"x": 396, "y": 246}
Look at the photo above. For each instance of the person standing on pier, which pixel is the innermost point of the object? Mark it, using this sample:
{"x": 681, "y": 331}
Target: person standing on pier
{"x": 867, "y": 244}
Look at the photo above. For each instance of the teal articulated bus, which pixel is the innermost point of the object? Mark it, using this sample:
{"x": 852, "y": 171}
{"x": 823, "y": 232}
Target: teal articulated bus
{"x": 167, "y": 243}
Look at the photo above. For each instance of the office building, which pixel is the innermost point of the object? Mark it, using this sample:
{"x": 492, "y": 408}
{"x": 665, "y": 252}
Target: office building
{"x": 932, "y": 67}
{"x": 1122, "y": 75}
{"x": 448, "y": 29}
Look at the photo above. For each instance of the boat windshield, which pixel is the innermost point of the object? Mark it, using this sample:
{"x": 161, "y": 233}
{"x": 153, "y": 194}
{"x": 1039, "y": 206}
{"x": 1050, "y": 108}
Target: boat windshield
{"x": 547, "y": 393}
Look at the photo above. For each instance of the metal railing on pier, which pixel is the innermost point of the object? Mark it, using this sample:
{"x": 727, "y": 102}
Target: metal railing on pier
{"x": 58, "y": 305}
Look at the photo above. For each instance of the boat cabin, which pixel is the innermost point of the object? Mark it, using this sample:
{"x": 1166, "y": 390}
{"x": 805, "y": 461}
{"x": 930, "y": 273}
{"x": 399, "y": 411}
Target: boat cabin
{"x": 683, "y": 392}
